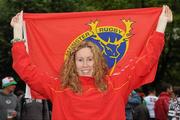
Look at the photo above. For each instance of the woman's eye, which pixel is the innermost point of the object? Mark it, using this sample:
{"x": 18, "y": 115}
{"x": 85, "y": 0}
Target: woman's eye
{"x": 90, "y": 59}
{"x": 80, "y": 60}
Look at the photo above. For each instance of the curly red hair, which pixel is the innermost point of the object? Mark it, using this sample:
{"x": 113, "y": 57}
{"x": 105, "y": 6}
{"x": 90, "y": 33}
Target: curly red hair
{"x": 69, "y": 75}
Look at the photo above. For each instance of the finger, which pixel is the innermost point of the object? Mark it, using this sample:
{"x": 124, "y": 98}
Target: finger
{"x": 14, "y": 19}
{"x": 11, "y": 23}
{"x": 163, "y": 9}
{"x": 167, "y": 10}
{"x": 21, "y": 12}
{"x": 17, "y": 15}
{"x": 169, "y": 13}
{"x": 21, "y": 15}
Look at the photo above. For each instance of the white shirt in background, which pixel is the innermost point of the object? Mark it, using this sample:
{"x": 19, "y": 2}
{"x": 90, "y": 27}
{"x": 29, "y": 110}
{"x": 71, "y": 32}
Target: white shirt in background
{"x": 150, "y": 101}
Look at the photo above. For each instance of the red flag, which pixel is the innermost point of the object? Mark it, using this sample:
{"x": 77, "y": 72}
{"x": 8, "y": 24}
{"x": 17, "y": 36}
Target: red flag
{"x": 118, "y": 33}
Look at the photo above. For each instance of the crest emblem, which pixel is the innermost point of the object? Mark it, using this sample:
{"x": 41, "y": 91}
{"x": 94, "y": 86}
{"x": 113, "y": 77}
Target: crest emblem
{"x": 112, "y": 40}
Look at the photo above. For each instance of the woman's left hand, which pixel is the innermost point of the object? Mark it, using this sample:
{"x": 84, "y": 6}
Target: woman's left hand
{"x": 166, "y": 14}
{"x": 165, "y": 17}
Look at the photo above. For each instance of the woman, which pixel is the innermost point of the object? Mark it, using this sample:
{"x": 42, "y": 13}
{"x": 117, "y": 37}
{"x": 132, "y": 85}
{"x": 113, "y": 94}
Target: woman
{"x": 84, "y": 91}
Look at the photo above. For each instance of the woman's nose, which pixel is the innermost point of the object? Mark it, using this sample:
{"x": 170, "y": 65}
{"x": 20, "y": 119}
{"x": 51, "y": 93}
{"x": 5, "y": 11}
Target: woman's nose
{"x": 85, "y": 63}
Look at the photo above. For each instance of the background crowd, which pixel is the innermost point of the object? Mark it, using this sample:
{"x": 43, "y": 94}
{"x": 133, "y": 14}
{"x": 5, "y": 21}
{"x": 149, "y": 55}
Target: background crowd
{"x": 140, "y": 105}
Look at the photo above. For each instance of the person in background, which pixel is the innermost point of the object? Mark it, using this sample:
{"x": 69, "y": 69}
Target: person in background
{"x": 133, "y": 101}
{"x": 141, "y": 112}
{"x": 84, "y": 89}
{"x": 174, "y": 106}
{"x": 150, "y": 100}
{"x": 162, "y": 104}
{"x": 9, "y": 106}
{"x": 34, "y": 109}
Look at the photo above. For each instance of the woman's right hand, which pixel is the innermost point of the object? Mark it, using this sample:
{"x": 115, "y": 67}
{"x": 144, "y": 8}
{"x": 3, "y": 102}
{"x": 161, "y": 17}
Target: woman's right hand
{"x": 17, "y": 23}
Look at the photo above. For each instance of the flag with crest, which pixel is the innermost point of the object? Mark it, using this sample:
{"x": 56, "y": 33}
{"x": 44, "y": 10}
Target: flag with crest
{"x": 118, "y": 33}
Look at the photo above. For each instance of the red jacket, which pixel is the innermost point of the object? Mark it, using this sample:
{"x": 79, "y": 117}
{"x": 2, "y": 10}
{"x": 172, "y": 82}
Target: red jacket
{"x": 162, "y": 106}
{"x": 91, "y": 104}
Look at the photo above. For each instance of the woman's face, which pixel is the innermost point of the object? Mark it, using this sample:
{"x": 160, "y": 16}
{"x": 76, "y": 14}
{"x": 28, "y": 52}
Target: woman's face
{"x": 84, "y": 62}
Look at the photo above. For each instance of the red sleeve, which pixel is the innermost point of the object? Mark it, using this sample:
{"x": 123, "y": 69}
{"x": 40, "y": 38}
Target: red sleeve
{"x": 140, "y": 69}
{"x": 166, "y": 105}
{"x": 36, "y": 79}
